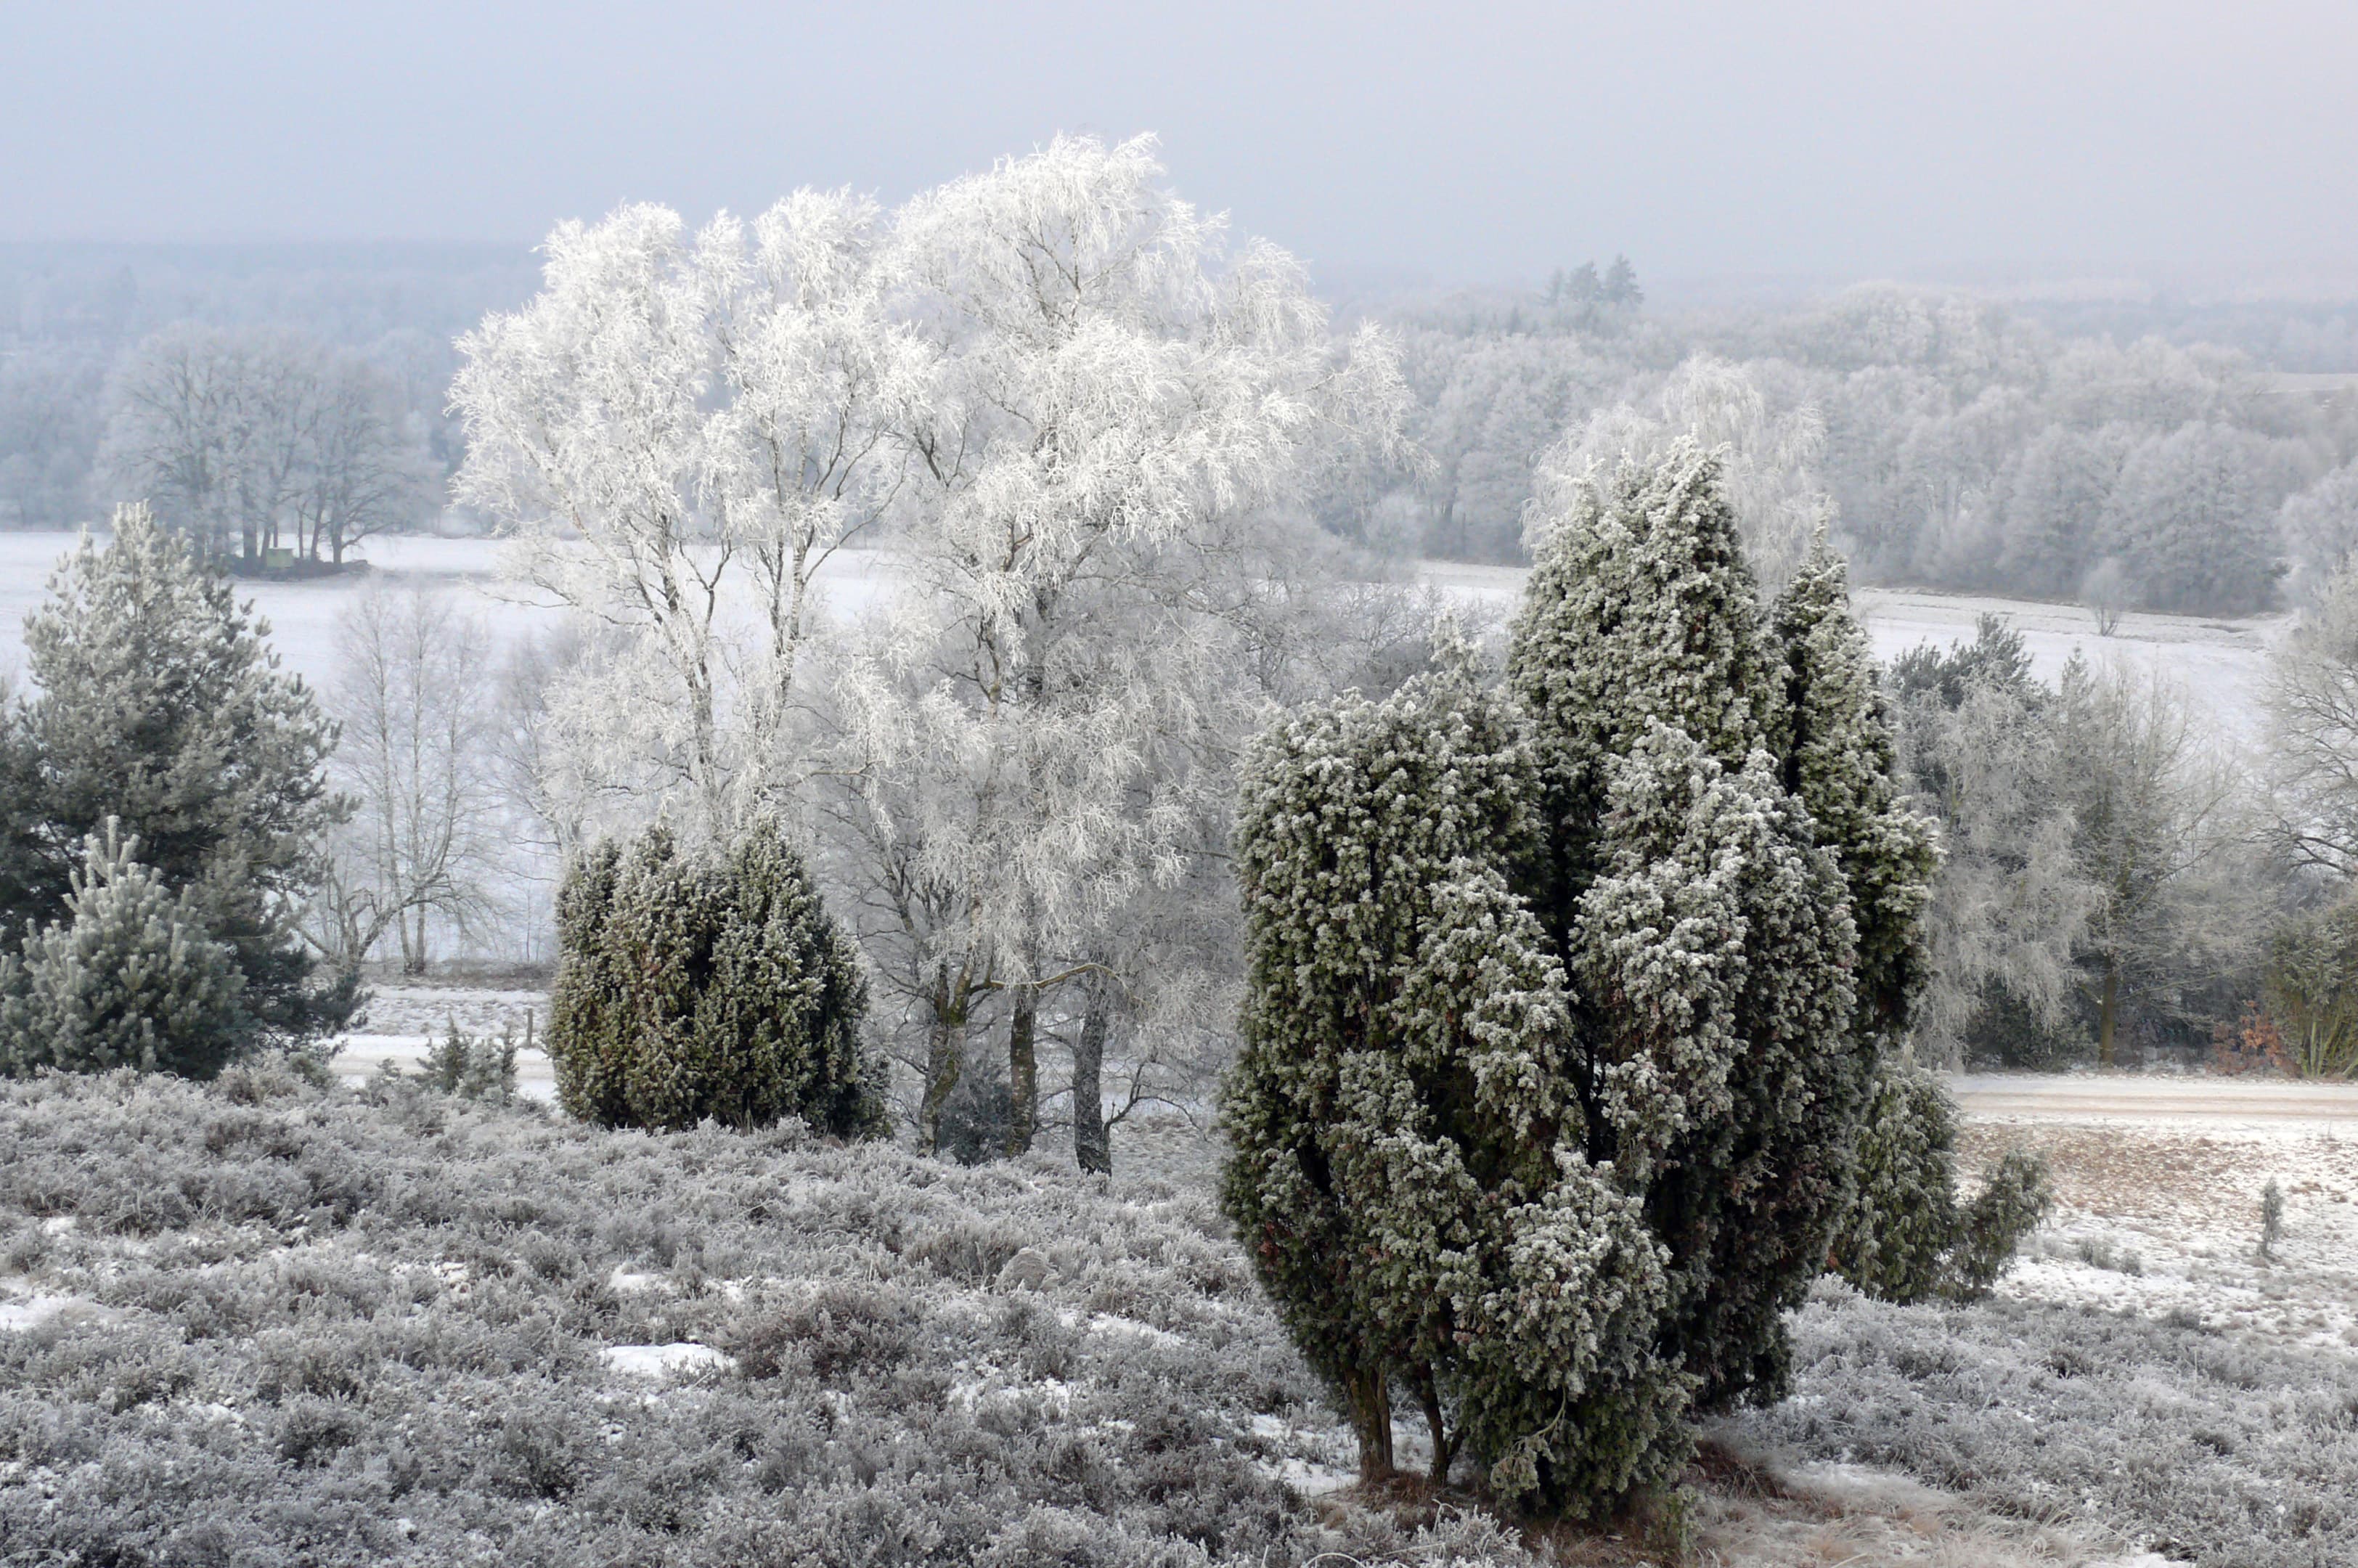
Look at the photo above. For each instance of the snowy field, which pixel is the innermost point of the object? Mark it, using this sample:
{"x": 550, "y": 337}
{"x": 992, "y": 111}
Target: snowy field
{"x": 401, "y": 1021}
{"x": 303, "y": 615}
{"x": 2221, "y": 660}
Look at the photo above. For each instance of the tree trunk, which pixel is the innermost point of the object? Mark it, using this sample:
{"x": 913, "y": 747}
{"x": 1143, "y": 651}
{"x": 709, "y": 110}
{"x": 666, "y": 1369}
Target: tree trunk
{"x": 1022, "y": 1071}
{"x": 1445, "y": 1446}
{"x": 1092, "y": 1149}
{"x": 1367, "y": 1390}
{"x": 941, "y": 1065}
{"x": 2110, "y": 1013}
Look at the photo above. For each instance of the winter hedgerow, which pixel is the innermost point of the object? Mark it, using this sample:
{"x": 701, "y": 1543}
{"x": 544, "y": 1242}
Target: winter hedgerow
{"x": 712, "y": 984}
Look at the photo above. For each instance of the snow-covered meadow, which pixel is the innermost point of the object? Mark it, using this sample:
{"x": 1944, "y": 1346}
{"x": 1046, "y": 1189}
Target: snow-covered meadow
{"x": 2221, "y": 660}
{"x": 303, "y": 614}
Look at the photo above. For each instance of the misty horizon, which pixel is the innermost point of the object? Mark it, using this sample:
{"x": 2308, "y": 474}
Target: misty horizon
{"x": 1721, "y": 148}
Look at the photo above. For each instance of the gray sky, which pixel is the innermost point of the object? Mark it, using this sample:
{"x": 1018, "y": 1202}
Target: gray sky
{"x": 1844, "y": 138}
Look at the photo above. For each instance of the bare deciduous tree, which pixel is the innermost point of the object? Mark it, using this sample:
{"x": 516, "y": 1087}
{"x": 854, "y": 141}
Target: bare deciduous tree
{"x": 415, "y": 696}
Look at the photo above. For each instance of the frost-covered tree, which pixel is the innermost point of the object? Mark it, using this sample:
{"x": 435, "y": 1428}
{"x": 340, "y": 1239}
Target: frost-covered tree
{"x": 2193, "y": 518}
{"x": 2058, "y": 487}
{"x": 2158, "y": 813}
{"x": 162, "y": 706}
{"x": 1708, "y": 938}
{"x": 1639, "y": 611}
{"x": 2312, "y": 711}
{"x": 254, "y": 439}
{"x": 2320, "y": 526}
{"x": 127, "y": 976}
{"x": 707, "y": 984}
{"x": 414, "y": 701}
{"x": 678, "y": 431}
{"x": 2010, "y": 907}
{"x": 1769, "y": 459}
{"x": 1408, "y": 1169}
{"x": 1840, "y": 764}
{"x": 1032, "y": 724}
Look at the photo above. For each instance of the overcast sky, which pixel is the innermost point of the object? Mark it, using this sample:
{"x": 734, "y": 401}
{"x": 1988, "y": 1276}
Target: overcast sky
{"x": 1847, "y": 138}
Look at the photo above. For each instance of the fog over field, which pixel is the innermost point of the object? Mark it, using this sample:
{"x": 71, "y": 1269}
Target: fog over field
{"x": 934, "y": 786}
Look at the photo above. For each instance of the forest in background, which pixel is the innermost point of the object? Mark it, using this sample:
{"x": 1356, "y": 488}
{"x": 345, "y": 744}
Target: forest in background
{"x": 2140, "y": 450}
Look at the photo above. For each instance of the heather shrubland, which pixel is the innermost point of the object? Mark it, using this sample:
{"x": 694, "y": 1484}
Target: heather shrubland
{"x": 259, "y": 1321}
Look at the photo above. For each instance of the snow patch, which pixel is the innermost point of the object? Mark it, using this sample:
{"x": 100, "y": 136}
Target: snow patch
{"x": 659, "y": 1361}
{"x": 33, "y": 1311}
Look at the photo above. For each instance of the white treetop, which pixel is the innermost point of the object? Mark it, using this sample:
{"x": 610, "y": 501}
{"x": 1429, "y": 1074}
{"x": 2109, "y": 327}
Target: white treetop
{"x": 677, "y": 432}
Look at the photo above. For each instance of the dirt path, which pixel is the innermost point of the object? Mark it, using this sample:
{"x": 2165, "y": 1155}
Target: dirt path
{"x": 2093, "y": 1097}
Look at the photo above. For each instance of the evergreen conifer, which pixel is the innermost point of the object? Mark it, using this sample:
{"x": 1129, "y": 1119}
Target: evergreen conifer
{"x": 1408, "y": 1169}
{"x": 707, "y": 985}
{"x": 161, "y": 706}
{"x": 128, "y": 978}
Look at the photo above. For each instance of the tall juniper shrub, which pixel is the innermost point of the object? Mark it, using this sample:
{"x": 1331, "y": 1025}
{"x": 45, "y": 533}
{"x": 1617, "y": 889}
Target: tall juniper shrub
{"x": 1567, "y": 1003}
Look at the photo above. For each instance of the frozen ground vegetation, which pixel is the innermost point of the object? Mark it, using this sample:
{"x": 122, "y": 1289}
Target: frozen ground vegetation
{"x": 255, "y": 1322}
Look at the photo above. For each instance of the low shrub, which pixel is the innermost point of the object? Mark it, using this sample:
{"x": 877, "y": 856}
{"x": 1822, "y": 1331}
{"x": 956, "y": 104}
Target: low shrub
{"x": 1905, "y": 1238}
{"x": 710, "y": 985}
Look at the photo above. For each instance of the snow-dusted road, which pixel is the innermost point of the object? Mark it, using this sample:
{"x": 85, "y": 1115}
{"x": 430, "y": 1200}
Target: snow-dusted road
{"x": 2154, "y": 1099}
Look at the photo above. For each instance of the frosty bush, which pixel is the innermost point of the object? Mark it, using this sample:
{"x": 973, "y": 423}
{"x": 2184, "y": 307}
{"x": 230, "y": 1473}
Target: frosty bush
{"x": 1565, "y": 1002}
{"x": 473, "y": 1066}
{"x": 710, "y": 984}
{"x": 2014, "y": 1199}
{"x": 1408, "y": 1167}
{"x": 128, "y": 978}
{"x": 1906, "y": 1238}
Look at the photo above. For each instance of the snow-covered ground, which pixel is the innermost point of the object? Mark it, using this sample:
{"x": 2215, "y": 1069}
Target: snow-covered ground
{"x": 303, "y": 614}
{"x": 2160, "y": 1216}
{"x": 402, "y": 1019}
{"x": 2222, "y": 660}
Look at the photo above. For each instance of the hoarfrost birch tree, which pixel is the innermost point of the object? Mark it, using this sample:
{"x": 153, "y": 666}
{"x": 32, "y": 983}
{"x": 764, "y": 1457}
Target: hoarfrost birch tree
{"x": 1030, "y": 724}
{"x": 678, "y": 432}
{"x": 2011, "y": 904}
{"x": 2157, "y": 809}
{"x": 2312, "y": 709}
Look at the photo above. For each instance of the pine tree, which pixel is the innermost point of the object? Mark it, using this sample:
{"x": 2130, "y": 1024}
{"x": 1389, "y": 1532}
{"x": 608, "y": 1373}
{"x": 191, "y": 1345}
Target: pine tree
{"x": 161, "y": 706}
{"x": 126, "y": 979}
{"x": 710, "y": 985}
{"x": 26, "y": 866}
{"x": 1407, "y": 1162}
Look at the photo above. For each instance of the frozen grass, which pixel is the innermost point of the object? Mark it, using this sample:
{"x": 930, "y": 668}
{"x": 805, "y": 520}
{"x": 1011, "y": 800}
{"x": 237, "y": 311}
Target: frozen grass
{"x": 257, "y": 1322}
{"x": 353, "y": 1328}
{"x": 2143, "y": 1373}
{"x": 2202, "y": 1446}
